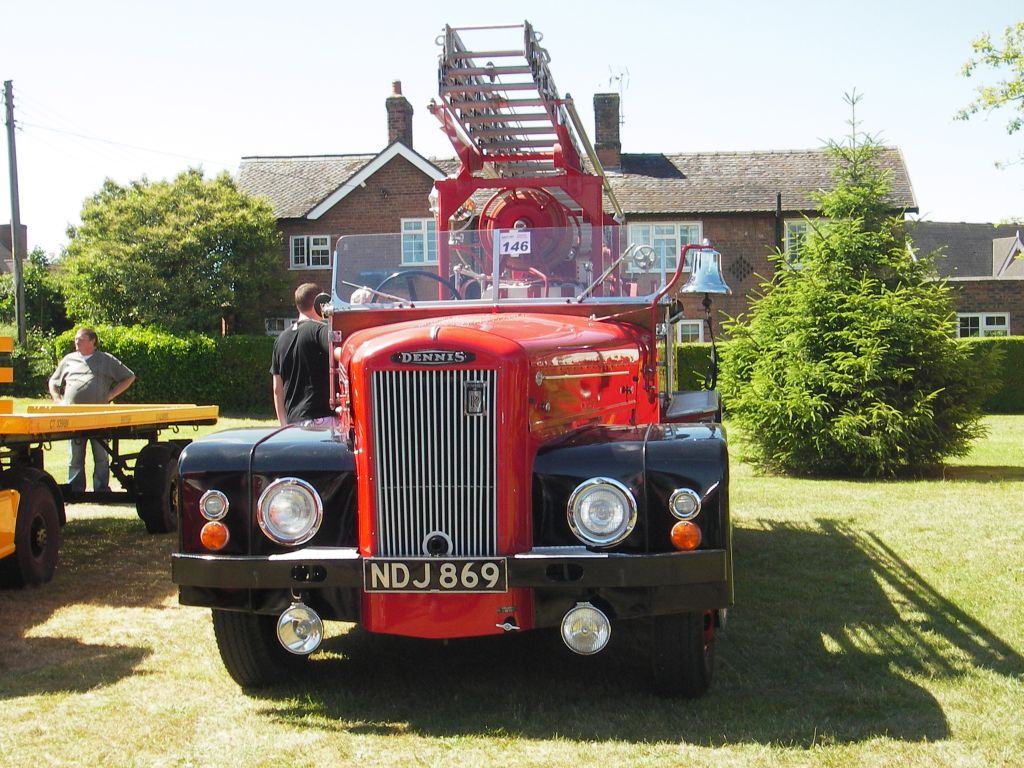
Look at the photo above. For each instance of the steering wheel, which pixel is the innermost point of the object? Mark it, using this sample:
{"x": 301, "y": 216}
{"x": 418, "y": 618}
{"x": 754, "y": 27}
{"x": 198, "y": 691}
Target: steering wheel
{"x": 411, "y": 277}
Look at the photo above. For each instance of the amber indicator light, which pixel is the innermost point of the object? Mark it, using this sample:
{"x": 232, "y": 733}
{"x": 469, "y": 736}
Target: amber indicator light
{"x": 214, "y": 535}
{"x": 685, "y": 535}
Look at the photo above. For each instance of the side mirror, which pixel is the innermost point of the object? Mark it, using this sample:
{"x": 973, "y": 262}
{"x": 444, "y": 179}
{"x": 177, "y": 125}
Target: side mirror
{"x": 320, "y": 302}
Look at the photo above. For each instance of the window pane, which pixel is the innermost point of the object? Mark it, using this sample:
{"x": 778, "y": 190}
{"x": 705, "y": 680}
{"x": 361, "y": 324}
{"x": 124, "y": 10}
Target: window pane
{"x": 689, "y": 331}
{"x": 320, "y": 251}
{"x": 969, "y": 326}
{"x": 298, "y": 251}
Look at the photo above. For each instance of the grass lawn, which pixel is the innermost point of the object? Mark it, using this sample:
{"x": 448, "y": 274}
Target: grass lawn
{"x": 875, "y": 624}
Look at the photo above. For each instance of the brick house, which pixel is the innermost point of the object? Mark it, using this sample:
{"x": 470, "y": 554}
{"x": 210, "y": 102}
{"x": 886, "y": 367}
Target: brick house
{"x": 984, "y": 263}
{"x": 746, "y": 203}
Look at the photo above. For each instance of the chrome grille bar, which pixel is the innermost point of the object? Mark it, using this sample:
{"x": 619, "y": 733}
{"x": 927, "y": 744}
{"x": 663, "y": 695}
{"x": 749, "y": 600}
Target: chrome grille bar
{"x": 435, "y": 459}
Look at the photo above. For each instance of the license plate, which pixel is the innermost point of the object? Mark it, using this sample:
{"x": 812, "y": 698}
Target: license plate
{"x": 435, "y": 574}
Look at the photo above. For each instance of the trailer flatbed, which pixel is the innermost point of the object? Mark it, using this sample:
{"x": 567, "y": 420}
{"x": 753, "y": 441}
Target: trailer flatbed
{"x": 32, "y": 503}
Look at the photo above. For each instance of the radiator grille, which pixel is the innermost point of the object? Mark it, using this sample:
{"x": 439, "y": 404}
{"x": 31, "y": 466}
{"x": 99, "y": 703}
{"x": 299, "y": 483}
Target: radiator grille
{"x": 435, "y": 460}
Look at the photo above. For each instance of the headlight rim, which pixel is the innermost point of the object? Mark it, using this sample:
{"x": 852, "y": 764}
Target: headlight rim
{"x": 685, "y": 492}
{"x": 318, "y": 511}
{"x": 631, "y": 506}
{"x": 213, "y": 492}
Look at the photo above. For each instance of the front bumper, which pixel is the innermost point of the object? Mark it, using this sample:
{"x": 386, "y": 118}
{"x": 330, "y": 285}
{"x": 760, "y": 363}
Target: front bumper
{"x": 540, "y": 568}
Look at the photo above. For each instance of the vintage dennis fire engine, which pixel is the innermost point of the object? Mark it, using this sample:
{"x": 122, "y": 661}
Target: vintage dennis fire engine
{"x": 509, "y": 451}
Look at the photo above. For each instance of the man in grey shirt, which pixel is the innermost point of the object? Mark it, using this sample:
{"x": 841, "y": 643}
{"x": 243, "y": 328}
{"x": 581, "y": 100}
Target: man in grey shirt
{"x": 89, "y": 376}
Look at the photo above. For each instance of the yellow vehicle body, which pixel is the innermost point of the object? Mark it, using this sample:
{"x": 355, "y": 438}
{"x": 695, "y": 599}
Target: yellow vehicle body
{"x": 8, "y": 518}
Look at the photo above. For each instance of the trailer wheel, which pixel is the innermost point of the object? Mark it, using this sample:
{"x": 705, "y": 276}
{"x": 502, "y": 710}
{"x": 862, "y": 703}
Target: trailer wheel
{"x": 250, "y": 650}
{"x": 156, "y": 486}
{"x": 36, "y": 530}
{"x": 683, "y": 653}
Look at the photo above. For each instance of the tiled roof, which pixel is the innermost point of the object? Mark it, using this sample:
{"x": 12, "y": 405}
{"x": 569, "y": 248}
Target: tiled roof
{"x": 735, "y": 182}
{"x": 966, "y": 247}
{"x": 294, "y": 185}
{"x": 684, "y": 183}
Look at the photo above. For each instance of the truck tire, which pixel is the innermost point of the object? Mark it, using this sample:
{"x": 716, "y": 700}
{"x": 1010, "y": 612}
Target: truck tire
{"x": 156, "y": 486}
{"x": 683, "y": 653}
{"x": 36, "y": 530}
{"x": 250, "y": 650}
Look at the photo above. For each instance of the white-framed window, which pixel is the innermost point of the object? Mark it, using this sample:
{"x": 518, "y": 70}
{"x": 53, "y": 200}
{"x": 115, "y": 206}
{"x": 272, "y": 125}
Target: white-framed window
{"x": 277, "y": 325}
{"x": 982, "y": 324}
{"x": 689, "y": 331}
{"x": 795, "y": 232}
{"x": 310, "y": 252}
{"x": 419, "y": 242}
{"x": 667, "y": 238}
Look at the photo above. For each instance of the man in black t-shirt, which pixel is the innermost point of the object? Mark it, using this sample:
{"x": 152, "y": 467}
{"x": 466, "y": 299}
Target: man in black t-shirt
{"x": 299, "y": 366}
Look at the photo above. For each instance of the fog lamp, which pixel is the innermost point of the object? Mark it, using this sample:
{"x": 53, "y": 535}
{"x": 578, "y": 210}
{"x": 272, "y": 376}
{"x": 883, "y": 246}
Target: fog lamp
{"x": 289, "y": 511}
{"x": 685, "y": 535}
{"x": 214, "y": 536}
{"x": 213, "y": 505}
{"x": 602, "y": 511}
{"x": 299, "y": 629}
{"x": 585, "y": 629}
{"x": 684, "y": 503}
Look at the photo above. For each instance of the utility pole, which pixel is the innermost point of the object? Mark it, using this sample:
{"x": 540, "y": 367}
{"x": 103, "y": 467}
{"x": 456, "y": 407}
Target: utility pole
{"x": 16, "y": 254}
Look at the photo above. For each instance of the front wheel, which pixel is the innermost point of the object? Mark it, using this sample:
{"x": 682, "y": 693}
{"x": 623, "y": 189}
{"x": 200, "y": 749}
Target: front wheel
{"x": 156, "y": 486}
{"x": 683, "y": 653}
{"x": 250, "y": 650}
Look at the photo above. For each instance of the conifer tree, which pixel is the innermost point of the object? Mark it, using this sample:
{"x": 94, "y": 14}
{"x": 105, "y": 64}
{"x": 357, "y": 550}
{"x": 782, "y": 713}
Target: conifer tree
{"x": 847, "y": 365}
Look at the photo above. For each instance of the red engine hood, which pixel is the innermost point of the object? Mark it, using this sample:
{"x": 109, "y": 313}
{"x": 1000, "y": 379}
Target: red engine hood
{"x": 546, "y": 340}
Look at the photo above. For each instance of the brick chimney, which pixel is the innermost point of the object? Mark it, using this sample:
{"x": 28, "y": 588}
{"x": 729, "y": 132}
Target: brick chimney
{"x": 606, "y": 129}
{"x": 399, "y": 116}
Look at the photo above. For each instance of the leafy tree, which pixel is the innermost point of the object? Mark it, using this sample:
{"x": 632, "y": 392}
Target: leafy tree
{"x": 170, "y": 254}
{"x": 847, "y": 364}
{"x": 1008, "y": 92}
{"x": 44, "y": 303}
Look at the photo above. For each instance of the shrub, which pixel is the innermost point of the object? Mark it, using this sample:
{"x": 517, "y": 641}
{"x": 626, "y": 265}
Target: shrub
{"x": 1008, "y": 396}
{"x": 847, "y": 365}
{"x": 232, "y": 372}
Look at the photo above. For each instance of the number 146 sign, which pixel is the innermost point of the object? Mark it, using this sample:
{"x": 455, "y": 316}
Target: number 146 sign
{"x": 514, "y": 242}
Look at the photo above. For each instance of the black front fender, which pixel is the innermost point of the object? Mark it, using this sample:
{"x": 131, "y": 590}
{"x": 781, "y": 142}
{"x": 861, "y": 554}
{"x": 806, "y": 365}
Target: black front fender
{"x": 652, "y": 461}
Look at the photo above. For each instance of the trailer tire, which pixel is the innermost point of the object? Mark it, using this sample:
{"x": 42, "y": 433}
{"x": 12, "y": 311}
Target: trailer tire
{"x": 36, "y": 530}
{"x": 683, "y": 653}
{"x": 156, "y": 487}
{"x": 250, "y": 650}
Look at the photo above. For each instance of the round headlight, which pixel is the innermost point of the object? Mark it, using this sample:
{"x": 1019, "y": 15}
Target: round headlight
{"x": 289, "y": 511}
{"x": 684, "y": 503}
{"x": 213, "y": 505}
{"x": 602, "y": 511}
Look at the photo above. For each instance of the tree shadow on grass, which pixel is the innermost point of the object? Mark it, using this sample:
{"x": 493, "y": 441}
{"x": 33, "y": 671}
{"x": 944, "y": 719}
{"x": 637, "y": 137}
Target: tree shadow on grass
{"x": 830, "y": 629}
{"x": 982, "y": 474}
{"x": 104, "y": 562}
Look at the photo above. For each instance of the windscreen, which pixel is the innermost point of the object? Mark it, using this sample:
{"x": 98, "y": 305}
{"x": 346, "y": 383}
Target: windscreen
{"x": 518, "y": 265}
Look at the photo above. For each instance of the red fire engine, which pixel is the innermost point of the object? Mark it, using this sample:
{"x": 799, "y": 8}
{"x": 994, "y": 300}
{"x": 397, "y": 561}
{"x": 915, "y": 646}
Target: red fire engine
{"x": 509, "y": 452}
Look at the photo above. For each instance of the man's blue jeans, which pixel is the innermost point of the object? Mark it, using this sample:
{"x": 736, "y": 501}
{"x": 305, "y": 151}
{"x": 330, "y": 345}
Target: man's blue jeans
{"x": 76, "y": 467}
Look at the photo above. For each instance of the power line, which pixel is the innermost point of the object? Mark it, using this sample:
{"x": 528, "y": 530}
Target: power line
{"x": 123, "y": 144}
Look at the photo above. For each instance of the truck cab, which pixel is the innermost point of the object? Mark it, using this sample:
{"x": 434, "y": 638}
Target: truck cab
{"x": 496, "y": 465}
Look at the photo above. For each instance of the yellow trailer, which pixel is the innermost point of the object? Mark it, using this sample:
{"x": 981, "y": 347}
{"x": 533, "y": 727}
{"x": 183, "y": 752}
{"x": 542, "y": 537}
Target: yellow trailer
{"x": 32, "y": 503}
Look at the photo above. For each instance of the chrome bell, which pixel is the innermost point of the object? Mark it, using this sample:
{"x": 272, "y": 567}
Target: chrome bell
{"x": 706, "y": 273}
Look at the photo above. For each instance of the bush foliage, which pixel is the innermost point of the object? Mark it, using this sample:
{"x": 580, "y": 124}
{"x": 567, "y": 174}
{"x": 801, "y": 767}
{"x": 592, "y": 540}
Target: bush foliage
{"x": 846, "y": 365}
{"x": 173, "y": 254}
{"x": 232, "y": 371}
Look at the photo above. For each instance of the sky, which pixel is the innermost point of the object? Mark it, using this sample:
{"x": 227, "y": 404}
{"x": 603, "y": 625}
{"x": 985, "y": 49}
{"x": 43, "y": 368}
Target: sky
{"x": 126, "y": 90}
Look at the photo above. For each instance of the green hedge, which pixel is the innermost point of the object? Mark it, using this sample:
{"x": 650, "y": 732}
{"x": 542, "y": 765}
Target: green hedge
{"x": 232, "y": 372}
{"x": 692, "y": 363}
{"x": 1010, "y": 397}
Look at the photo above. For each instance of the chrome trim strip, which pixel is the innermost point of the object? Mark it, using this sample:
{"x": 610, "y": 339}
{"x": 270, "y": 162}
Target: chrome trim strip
{"x": 435, "y": 465}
